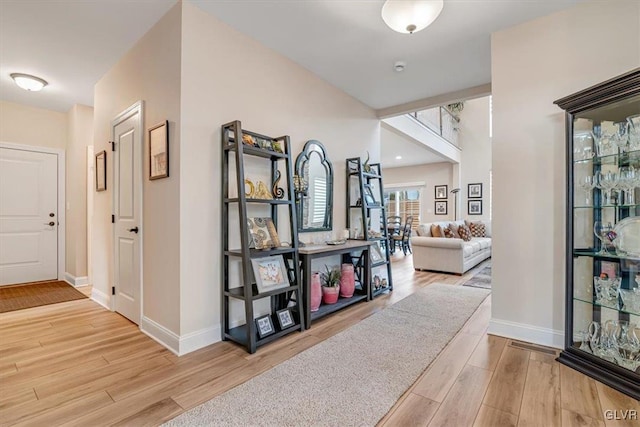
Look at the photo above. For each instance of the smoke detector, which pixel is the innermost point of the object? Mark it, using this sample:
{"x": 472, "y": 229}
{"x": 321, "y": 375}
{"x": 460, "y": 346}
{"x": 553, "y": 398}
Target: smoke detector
{"x": 399, "y": 66}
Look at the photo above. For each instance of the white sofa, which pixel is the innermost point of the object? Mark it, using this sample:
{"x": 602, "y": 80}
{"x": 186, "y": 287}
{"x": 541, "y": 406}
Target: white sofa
{"x": 449, "y": 255}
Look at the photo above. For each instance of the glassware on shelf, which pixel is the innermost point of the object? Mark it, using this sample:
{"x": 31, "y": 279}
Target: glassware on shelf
{"x": 627, "y": 182}
{"x": 606, "y": 235}
{"x": 630, "y": 300}
{"x": 620, "y": 137}
{"x": 607, "y": 181}
{"x": 603, "y": 142}
{"x": 588, "y": 183}
{"x": 607, "y": 290}
{"x": 625, "y": 342}
{"x": 583, "y": 146}
{"x": 626, "y": 237}
{"x": 634, "y": 132}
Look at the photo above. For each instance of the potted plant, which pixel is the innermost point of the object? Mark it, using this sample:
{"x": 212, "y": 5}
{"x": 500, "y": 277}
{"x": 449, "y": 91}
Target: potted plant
{"x": 330, "y": 285}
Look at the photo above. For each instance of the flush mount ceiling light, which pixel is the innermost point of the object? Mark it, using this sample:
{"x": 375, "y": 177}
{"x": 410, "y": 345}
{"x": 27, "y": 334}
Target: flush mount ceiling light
{"x": 29, "y": 82}
{"x": 409, "y": 16}
{"x": 398, "y": 157}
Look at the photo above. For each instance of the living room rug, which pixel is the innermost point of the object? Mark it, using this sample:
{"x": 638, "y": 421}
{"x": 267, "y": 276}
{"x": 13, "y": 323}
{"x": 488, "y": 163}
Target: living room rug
{"x": 481, "y": 280}
{"x": 18, "y": 297}
{"x": 352, "y": 378}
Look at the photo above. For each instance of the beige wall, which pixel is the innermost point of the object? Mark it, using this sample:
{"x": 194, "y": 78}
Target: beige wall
{"x": 270, "y": 94}
{"x": 431, "y": 174}
{"x": 475, "y": 164}
{"x": 534, "y": 64}
{"x": 150, "y": 71}
{"x": 21, "y": 124}
{"x": 80, "y": 130}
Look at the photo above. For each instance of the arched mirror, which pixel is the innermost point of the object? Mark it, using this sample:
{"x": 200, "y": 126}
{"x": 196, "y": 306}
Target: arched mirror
{"x": 314, "y": 188}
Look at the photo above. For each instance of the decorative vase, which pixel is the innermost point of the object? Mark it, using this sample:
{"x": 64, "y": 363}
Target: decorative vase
{"x": 316, "y": 292}
{"x": 347, "y": 281}
{"x": 330, "y": 294}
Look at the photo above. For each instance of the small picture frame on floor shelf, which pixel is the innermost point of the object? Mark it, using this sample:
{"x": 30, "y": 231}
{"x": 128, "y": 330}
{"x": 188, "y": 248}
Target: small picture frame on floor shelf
{"x": 285, "y": 318}
{"x": 264, "y": 326}
{"x": 376, "y": 254}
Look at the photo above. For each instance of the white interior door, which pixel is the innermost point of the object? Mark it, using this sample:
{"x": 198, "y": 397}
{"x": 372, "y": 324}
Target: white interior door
{"x": 28, "y": 216}
{"x": 127, "y": 165}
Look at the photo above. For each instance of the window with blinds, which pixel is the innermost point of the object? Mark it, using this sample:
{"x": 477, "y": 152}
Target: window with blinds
{"x": 319, "y": 202}
{"x": 404, "y": 203}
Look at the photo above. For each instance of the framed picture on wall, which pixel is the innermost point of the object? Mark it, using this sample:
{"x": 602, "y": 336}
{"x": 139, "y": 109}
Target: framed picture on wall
{"x": 441, "y": 207}
{"x": 441, "y": 191}
{"x": 159, "y": 151}
{"x": 101, "y": 171}
{"x": 474, "y": 191}
{"x": 475, "y": 207}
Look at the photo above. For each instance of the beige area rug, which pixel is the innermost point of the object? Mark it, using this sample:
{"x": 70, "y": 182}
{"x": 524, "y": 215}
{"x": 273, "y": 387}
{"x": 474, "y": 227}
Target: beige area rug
{"x": 482, "y": 279}
{"x": 352, "y": 378}
{"x": 18, "y": 297}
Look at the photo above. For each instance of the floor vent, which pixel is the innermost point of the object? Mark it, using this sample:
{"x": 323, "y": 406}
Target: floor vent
{"x": 532, "y": 347}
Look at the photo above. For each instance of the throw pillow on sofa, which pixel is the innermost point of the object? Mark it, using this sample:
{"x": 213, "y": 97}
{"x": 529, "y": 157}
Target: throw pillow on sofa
{"x": 454, "y": 229}
{"x": 478, "y": 229}
{"x": 448, "y": 233}
{"x": 436, "y": 231}
{"x": 464, "y": 232}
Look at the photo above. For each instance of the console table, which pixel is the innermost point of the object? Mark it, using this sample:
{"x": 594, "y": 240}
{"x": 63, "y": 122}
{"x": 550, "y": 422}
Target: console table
{"x": 362, "y": 271}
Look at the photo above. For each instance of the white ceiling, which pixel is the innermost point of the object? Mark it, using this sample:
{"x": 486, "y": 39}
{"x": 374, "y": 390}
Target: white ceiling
{"x": 395, "y": 143}
{"x": 72, "y": 43}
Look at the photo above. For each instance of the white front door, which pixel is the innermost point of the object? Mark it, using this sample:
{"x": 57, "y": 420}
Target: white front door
{"x": 127, "y": 202}
{"x": 28, "y": 216}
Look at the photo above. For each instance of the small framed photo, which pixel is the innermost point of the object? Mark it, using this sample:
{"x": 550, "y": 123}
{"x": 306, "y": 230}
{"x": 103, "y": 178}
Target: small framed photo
{"x": 265, "y": 326}
{"x": 159, "y": 151}
{"x": 270, "y": 273}
{"x": 368, "y": 196}
{"x": 441, "y": 207}
{"x": 263, "y": 233}
{"x": 475, "y": 207}
{"x": 285, "y": 318}
{"x": 380, "y": 278}
{"x": 101, "y": 171}
{"x": 441, "y": 191}
{"x": 376, "y": 254}
{"x": 474, "y": 191}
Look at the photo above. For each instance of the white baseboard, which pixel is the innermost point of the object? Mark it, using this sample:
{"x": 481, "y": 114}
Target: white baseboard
{"x": 159, "y": 333}
{"x": 101, "y": 298}
{"x": 199, "y": 339}
{"x": 76, "y": 281}
{"x": 528, "y": 333}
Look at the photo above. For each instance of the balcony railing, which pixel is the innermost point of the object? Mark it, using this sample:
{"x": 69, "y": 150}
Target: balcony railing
{"x": 441, "y": 121}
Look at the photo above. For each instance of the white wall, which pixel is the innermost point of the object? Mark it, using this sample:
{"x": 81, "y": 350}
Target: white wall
{"x": 150, "y": 71}
{"x": 21, "y": 124}
{"x": 431, "y": 174}
{"x": 80, "y": 130}
{"x": 270, "y": 94}
{"x": 534, "y": 64}
{"x": 475, "y": 164}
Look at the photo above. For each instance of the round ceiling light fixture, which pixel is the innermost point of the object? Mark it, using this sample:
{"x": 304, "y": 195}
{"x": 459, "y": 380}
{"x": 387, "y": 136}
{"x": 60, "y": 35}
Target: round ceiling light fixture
{"x": 29, "y": 82}
{"x": 409, "y": 16}
{"x": 399, "y": 66}
{"x": 398, "y": 157}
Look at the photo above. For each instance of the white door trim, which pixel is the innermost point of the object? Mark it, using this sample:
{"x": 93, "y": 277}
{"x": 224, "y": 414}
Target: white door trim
{"x": 90, "y": 190}
{"x": 137, "y": 108}
{"x": 62, "y": 229}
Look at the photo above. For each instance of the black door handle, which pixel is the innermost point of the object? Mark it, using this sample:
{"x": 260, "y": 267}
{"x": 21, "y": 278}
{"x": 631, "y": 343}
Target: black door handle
{"x": 134, "y": 230}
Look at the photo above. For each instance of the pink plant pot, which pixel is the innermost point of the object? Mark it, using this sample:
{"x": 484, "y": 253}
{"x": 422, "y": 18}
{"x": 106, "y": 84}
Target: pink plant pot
{"x": 316, "y": 292}
{"x": 330, "y": 295}
{"x": 347, "y": 281}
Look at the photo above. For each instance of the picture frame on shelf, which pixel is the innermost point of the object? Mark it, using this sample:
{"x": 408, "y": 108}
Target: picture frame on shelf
{"x": 159, "y": 151}
{"x": 474, "y": 191}
{"x": 101, "y": 171}
{"x": 380, "y": 278}
{"x": 270, "y": 273}
{"x": 474, "y": 207}
{"x": 369, "y": 199}
{"x": 263, "y": 233}
{"x": 441, "y": 207}
{"x": 285, "y": 318}
{"x": 441, "y": 191}
{"x": 264, "y": 325}
{"x": 376, "y": 254}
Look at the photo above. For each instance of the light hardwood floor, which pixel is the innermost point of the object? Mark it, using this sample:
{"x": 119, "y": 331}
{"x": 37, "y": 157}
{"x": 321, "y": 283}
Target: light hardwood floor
{"x": 76, "y": 363}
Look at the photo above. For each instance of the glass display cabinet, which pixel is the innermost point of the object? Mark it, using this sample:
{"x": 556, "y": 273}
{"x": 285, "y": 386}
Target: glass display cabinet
{"x": 602, "y": 329}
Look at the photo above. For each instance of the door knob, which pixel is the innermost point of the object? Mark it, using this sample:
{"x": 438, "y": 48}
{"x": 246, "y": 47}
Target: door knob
{"x": 134, "y": 230}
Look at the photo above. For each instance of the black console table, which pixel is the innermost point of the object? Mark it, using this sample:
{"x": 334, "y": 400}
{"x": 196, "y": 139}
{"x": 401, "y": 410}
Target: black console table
{"x": 349, "y": 252}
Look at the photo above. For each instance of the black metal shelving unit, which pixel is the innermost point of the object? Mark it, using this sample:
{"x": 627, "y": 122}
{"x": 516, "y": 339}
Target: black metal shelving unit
{"x": 246, "y": 334}
{"x": 358, "y": 179}
{"x": 586, "y": 349}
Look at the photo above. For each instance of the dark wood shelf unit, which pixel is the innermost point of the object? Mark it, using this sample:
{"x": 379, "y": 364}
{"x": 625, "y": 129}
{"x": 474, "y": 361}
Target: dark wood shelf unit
{"x": 357, "y": 179}
{"x": 246, "y": 334}
{"x": 342, "y": 303}
{"x": 610, "y": 102}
